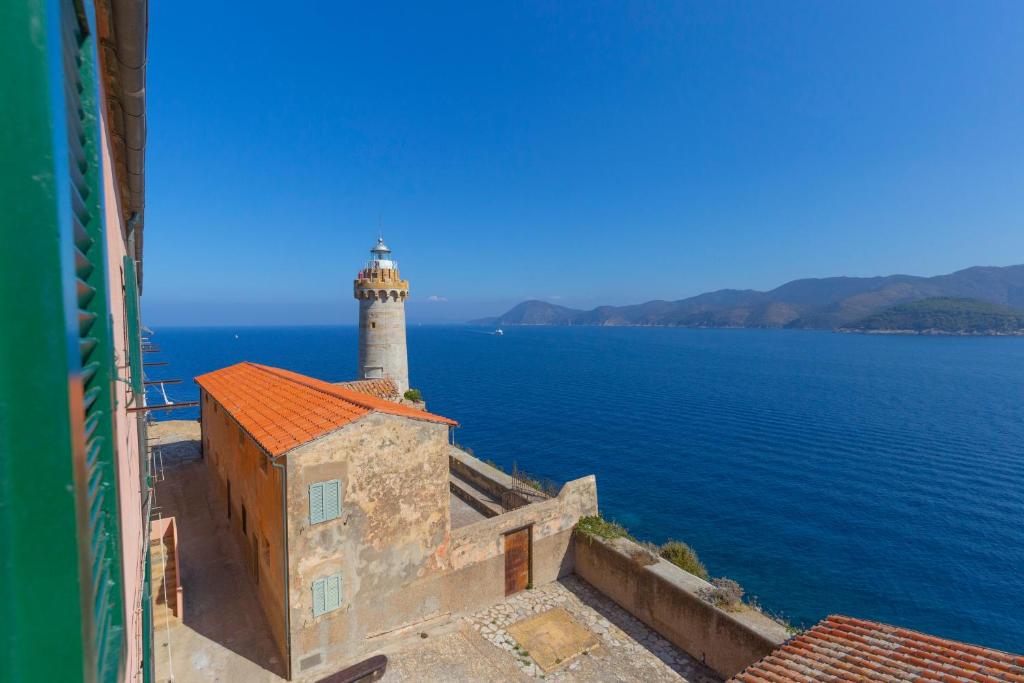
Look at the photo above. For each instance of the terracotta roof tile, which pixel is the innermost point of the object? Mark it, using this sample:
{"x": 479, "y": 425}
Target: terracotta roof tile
{"x": 847, "y": 649}
{"x": 381, "y": 388}
{"x": 282, "y": 409}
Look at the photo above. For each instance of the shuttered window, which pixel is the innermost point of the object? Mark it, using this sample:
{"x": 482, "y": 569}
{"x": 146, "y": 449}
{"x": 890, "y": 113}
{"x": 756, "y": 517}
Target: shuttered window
{"x": 60, "y": 536}
{"x": 326, "y": 594}
{"x": 324, "y": 501}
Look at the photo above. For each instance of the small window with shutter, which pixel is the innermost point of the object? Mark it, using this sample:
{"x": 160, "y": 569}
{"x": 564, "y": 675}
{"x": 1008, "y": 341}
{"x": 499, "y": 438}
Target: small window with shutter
{"x": 324, "y": 501}
{"x": 326, "y": 594}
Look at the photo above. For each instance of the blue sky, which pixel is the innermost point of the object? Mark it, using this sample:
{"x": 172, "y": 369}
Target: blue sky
{"x": 580, "y": 152}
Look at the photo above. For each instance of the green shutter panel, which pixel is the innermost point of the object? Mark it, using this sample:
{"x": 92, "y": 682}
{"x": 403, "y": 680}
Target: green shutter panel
{"x": 333, "y": 599}
{"x": 96, "y": 346}
{"x": 332, "y": 499}
{"x": 319, "y": 597}
{"x": 133, "y": 327}
{"x": 316, "y": 503}
{"x": 60, "y": 540}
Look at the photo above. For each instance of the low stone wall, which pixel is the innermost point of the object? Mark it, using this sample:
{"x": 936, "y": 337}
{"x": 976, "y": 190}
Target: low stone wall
{"x": 488, "y": 479}
{"x": 665, "y": 597}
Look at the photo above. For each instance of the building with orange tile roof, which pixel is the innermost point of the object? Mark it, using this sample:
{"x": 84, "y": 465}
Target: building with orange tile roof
{"x": 842, "y": 648}
{"x": 341, "y": 495}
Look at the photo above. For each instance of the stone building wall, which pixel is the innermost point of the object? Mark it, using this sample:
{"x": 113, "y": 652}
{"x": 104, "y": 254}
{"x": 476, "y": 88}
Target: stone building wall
{"x": 231, "y": 455}
{"x": 390, "y": 544}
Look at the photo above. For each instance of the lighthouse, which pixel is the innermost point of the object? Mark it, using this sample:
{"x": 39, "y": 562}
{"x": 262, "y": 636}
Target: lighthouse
{"x": 382, "y": 293}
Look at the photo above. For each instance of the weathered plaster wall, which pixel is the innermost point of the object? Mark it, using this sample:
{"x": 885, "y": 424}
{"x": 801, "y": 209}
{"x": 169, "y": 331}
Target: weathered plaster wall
{"x": 232, "y": 455}
{"x": 478, "y": 551}
{"x": 390, "y": 544}
{"x": 665, "y": 597}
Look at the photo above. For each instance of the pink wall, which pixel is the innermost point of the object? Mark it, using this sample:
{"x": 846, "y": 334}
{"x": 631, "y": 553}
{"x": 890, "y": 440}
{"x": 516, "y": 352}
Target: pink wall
{"x": 133, "y": 522}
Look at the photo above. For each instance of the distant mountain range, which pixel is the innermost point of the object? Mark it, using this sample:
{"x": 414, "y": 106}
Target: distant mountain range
{"x": 943, "y": 315}
{"x": 823, "y": 304}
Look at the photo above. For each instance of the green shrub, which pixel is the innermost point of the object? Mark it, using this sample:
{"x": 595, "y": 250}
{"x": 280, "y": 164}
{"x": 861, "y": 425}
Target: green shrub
{"x": 413, "y": 395}
{"x": 683, "y": 556}
{"x": 597, "y": 526}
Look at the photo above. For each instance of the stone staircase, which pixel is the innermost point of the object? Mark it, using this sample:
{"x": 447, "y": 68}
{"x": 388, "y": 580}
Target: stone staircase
{"x": 166, "y": 589}
{"x": 475, "y": 497}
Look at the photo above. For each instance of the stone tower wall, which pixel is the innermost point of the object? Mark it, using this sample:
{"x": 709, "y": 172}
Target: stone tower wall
{"x": 382, "y": 348}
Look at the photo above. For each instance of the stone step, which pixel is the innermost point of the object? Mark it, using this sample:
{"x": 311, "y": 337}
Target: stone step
{"x": 473, "y": 496}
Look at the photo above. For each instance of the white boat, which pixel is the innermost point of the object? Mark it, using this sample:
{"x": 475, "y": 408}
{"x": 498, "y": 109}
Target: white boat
{"x": 498, "y": 332}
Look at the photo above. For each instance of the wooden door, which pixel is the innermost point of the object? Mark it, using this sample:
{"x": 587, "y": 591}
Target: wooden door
{"x": 517, "y": 560}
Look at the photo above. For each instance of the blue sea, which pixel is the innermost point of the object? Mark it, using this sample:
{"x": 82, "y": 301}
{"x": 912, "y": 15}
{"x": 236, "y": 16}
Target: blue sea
{"x": 875, "y": 476}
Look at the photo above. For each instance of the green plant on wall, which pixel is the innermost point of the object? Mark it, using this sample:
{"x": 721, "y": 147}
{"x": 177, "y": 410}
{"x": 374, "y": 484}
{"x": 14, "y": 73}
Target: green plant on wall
{"x": 413, "y": 395}
{"x": 596, "y": 526}
{"x": 684, "y": 557}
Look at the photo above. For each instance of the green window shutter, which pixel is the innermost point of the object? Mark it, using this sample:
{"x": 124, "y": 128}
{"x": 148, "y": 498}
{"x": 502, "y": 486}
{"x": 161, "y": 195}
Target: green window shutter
{"x": 316, "y": 503}
{"x": 132, "y": 323}
{"x": 319, "y": 597}
{"x": 60, "y": 539}
{"x": 333, "y": 598}
{"x": 332, "y": 499}
{"x": 97, "y": 351}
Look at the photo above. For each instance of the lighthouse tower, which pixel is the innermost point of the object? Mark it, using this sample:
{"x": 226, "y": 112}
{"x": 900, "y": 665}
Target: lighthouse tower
{"x": 382, "y": 293}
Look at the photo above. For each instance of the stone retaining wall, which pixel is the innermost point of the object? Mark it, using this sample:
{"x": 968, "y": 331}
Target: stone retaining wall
{"x": 665, "y": 597}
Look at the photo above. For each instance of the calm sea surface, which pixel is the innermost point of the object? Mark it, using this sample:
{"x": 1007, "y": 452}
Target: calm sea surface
{"x": 881, "y": 477}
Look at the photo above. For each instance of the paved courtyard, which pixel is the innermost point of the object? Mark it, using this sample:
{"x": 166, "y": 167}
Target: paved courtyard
{"x": 627, "y": 650}
{"x": 224, "y": 636}
{"x": 483, "y": 649}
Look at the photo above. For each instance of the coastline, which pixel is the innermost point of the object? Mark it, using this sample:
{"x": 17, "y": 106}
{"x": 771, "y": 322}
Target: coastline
{"x": 839, "y": 330}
